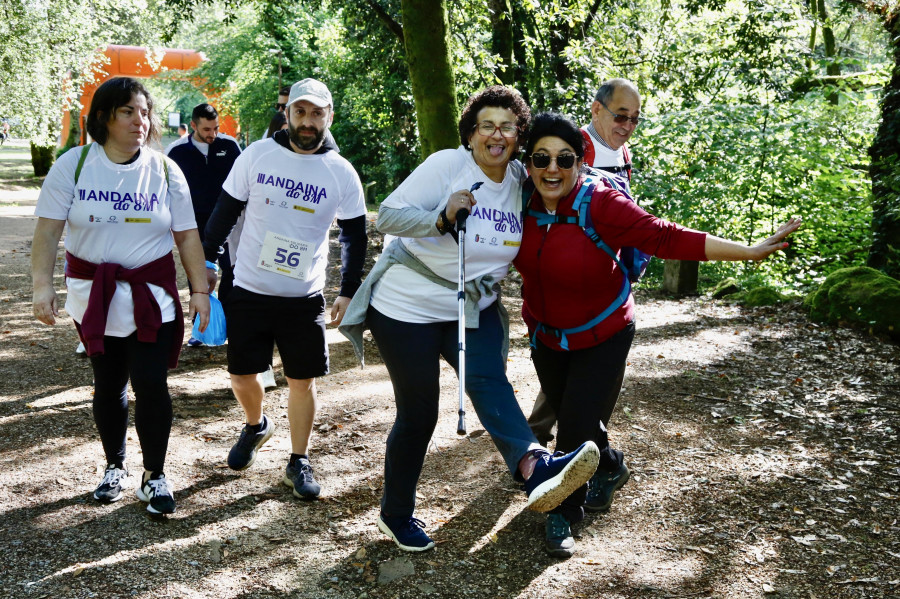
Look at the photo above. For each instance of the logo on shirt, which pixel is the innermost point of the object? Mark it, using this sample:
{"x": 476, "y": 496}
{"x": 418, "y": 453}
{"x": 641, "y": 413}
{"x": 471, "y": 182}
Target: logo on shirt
{"x": 295, "y": 189}
{"x": 138, "y": 201}
{"x": 503, "y": 221}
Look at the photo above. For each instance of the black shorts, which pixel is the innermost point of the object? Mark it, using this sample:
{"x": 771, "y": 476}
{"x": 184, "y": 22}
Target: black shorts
{"x": 257, "y": 322}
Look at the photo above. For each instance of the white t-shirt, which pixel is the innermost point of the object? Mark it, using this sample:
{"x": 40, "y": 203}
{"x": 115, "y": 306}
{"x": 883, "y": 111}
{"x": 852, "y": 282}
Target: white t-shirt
{"x": 605, "y": 157}
{"x": 121, "y": 214}
{"x": 493, "y": 236}
{"x": 292, "y": 199}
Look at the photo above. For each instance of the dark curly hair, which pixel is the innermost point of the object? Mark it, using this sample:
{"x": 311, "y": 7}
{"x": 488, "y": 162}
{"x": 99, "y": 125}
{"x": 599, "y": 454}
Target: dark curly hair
{"x": 109, "y": 97}
{"x": 501, "y": 97}
{"x": 553, "y": 124}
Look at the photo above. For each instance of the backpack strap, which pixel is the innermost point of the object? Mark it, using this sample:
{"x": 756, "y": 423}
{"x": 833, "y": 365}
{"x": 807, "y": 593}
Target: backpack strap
{"x": 589, "y": 152}
{"x": 84, "y": 152}
{"x": 583, "y": 208}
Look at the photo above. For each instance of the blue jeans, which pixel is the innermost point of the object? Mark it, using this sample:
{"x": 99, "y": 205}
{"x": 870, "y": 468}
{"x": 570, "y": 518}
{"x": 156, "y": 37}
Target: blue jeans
{"x": 412, "y": 352}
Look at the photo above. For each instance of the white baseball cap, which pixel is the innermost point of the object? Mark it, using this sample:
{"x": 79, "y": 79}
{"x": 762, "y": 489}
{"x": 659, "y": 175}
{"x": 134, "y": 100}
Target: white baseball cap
{"x": 311, "y": 90}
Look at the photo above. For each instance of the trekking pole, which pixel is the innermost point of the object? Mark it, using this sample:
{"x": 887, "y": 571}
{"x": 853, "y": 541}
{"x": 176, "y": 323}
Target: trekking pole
{"x": 461, "y": 217}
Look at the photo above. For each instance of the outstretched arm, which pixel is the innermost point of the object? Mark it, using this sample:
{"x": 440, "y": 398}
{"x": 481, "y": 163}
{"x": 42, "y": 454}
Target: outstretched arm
{"x": 724, "y": 249}
{"x": 47, "y": 234}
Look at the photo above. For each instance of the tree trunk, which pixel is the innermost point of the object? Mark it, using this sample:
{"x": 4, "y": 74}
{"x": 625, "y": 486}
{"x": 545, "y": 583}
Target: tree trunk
{"x": 885, "y": 170}
{"x": 502, "y": 39}
{"x": 427, "y": 56}
{"x": 833, "y": 68}
{"x": 42, "y": 158}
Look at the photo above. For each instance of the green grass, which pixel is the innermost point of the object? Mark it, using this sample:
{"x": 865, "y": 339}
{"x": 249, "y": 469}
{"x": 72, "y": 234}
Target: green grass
{"x": 16, "y": 171}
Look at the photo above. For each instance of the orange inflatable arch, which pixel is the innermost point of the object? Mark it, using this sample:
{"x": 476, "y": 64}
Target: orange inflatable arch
{"x": 131, "y": 61}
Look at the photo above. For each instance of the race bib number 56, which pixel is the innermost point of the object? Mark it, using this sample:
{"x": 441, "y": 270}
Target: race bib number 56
{"x": 285, "y": 256}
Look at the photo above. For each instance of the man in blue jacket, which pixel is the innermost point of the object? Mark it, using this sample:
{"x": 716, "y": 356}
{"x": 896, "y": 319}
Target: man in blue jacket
{"x": 206, "y": 157}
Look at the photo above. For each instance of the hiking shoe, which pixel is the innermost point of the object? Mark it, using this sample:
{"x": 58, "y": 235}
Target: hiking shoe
{"x": 156, "y": 494}
{"x": 80, "y": 350}
{"x": 243, "y": 454}
{"x": 408, "y": 533}
{"x": 114, "y": 480}
{"x": 193, "y": 342}
{"x": 559, "y": 541}
{"x": 555, "y": 477}
{"x": 299, "y": 477}
{"x": 602, "y": 486}
{"x": 267, "y": 378}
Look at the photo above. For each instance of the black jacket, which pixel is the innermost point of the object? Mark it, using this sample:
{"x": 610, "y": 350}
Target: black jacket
{"x": 205, "y": 174}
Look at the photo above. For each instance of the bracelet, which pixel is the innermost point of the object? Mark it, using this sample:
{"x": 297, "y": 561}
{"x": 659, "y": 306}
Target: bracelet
{"x": 203, "y": 292}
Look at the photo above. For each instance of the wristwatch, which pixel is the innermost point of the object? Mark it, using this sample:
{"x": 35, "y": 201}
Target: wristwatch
{"x": 443, "y": 225}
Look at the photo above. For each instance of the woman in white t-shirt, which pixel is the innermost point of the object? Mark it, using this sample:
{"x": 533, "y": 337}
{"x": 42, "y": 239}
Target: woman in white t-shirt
{"x": 409, "y": 302}
{"x": 124, "y": 205}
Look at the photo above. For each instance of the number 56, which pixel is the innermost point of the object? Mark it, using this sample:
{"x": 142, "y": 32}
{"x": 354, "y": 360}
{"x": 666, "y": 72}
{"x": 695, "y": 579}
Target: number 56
{"x": 292, "y": 259}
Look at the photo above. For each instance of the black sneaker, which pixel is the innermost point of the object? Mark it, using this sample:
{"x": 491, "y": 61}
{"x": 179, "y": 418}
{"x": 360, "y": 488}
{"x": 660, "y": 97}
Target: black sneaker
{"x": 114, "y": 480}
{"x": 558, "y": 476}
{"x": 243, "y": 454}
{"x": 156, "y": 494}
{"x": 299, "y": 477}
{"x": 408, "y": 533}
{"x": 602, "y": 486}
{"x": 559, "y": 540}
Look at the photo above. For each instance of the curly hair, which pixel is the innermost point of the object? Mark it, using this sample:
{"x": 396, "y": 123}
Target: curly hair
{"x": 553, "y": 124}
{"x": 494, "y": 96}
{"x": 109, "y": 97}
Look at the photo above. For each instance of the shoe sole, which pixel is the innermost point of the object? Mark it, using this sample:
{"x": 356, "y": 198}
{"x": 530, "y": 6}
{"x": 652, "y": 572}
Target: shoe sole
{"x": 146, "y": 499}
{"x": 560, "y": 552}
{"x": 577, "y": 472}
{"x": 109, "y": 499}
{"x": 386, "y": 530}
{"x": 287, "y": 481}
{"x": 605, "y": 507}
{"x": 265, "y": 438}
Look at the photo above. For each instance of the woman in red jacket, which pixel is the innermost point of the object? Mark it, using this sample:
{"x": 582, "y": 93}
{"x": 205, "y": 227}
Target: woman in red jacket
{"x": 568, "y": 285}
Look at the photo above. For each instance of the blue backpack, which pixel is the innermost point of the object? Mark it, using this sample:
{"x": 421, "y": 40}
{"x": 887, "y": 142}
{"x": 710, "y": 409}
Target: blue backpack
{"x": 631, "y": 261}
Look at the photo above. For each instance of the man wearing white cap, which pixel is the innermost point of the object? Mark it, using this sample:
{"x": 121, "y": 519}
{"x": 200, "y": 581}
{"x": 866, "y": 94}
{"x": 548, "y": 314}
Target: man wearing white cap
{"x": 290, "y": 187}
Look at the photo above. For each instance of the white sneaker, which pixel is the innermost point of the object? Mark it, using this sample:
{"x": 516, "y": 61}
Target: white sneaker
{"x": 268, "y": 378}
{"x": 80, "y": 349}
{"x": 156, "y": 494}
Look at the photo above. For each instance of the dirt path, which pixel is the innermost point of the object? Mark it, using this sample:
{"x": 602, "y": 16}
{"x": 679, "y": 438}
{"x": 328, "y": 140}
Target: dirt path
{"x": 763, "y": 450}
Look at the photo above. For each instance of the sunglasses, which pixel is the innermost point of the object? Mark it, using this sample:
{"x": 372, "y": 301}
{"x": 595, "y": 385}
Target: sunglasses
{"x": 563, "y": 161}
{"x": 621, "y": 118}
{"x": 280, "y": 106}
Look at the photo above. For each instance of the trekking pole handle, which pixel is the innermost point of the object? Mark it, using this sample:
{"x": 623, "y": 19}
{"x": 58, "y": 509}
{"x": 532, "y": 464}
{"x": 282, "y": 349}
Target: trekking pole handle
{"x": 461, "y": 215}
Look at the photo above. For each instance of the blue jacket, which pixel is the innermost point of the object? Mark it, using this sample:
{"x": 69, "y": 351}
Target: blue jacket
{"x": 205, "y": 174}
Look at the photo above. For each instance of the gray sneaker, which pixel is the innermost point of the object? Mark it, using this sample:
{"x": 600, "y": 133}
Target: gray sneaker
{"x": 243, "y": 454}
{"x": 299, "y": 477}
{"x": 559, "y": 541}
{"x": 603, "y": 486}
{"x": 110, "y": 488}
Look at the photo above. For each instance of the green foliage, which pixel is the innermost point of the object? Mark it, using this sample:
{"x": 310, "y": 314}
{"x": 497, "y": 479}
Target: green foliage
{"x": 859, "y": 295}
{"x": 758, "y": 296}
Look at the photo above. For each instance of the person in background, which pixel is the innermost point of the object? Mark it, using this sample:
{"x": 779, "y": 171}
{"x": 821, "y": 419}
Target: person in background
{"x": 410, "y": 303}
{"x": 125, "y": 206}
{"x": 569, "y": 284}
{"x": 278, "y": 122}
{"x": 206, "y": 157}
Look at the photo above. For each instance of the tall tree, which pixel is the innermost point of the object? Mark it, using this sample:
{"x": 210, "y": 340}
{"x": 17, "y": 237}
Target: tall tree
{"x": 430, "y": 74}
{"x": 885, "y": 152}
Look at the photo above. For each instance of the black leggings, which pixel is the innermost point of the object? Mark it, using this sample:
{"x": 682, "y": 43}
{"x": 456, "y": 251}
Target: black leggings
{"x": 146, "y": 364}
{"x": 583, "y": 387}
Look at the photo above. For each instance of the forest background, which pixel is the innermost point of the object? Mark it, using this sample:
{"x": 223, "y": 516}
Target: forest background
{"x": 755, "y": 110}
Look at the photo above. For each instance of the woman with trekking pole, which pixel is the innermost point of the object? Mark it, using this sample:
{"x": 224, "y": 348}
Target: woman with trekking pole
{"x": 577, "y": 298}
{"x": 125, "y": 206}
{"x": 410, "y": 301}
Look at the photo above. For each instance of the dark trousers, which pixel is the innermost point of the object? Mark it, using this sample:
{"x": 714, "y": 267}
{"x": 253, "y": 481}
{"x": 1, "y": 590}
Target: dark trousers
{"x": 412, "y": 353}
{"x": 146, "y": 365}
{"x": 582, "y": 387}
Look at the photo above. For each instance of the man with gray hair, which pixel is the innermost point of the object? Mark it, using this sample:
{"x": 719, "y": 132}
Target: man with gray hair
{"x": 615, "y": 114}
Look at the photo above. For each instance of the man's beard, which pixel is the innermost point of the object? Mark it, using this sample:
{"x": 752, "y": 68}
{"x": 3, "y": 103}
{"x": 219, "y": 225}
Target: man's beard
{"x": 307, "y": 145}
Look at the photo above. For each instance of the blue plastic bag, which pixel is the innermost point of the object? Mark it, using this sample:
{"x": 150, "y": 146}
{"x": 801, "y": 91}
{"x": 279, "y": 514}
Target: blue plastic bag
{"x": 215, "y": 333}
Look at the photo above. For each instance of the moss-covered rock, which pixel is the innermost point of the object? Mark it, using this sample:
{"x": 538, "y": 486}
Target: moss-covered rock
{"x": 726, "y": 287}
{"x": 860, "y": 295}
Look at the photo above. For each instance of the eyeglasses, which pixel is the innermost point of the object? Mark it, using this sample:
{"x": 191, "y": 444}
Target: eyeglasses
{"x": 488, "y": 128}
{"x": 280, "y": 106}
{"x": 563, "y": 161}
{"x": 621, "y": 118}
